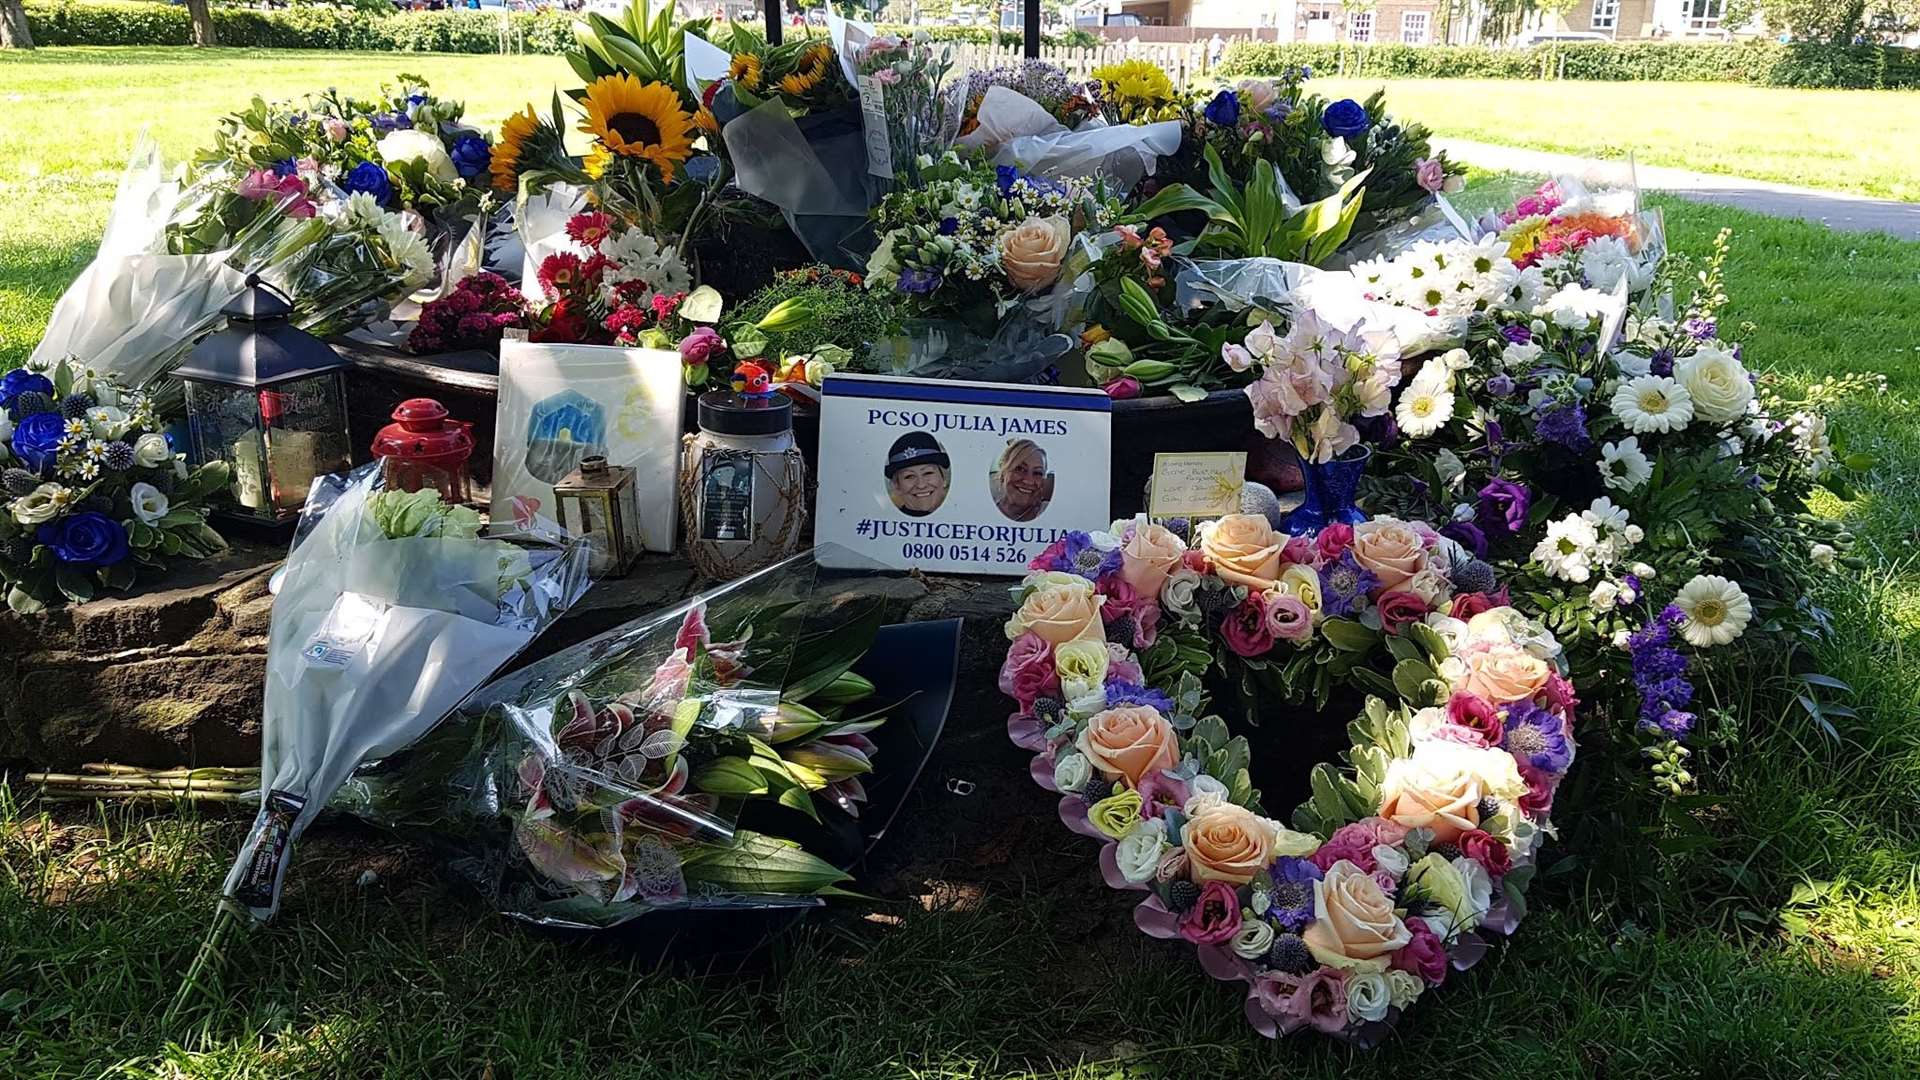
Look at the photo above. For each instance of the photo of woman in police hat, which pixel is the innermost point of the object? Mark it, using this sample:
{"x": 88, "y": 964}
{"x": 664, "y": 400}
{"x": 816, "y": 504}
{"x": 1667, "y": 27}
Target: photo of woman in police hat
{"x": 918, "y": 474}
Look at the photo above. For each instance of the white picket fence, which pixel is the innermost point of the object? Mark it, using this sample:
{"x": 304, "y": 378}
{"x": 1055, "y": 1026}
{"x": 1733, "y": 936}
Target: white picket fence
{"x": 1184, "y": 62}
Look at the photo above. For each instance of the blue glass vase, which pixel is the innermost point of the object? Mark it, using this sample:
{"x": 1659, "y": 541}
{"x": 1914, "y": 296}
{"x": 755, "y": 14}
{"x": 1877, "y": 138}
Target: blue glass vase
{"x": 1330, "y": 491}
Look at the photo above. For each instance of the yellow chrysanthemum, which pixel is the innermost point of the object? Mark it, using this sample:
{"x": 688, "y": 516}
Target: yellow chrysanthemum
{"x": 745, "y": 70}
{"x": 639, "y": 120}
{"x": 1138, "y": 81}
{"x": 1525, "y": 235}
{"x": 505, "y": 164}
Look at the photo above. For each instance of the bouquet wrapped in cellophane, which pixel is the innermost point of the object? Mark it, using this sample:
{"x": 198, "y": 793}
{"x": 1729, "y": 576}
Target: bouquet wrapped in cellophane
{"x": 651, "y": 768}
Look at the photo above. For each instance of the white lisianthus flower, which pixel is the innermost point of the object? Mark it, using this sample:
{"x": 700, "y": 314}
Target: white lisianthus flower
{"x": 1519, "y": 356}
{"x": 1653, "y": 403}
{"x": 1622, "y": 465}
{"x": 1368, "y": 996}
{"x": 1177, "y": 594}
{"x": 1254, "y": 939}
{"x": 1456, "y": 359}
{"x": 1138, "y": 852}
{"x": 149, "y": 503}
{"x": 1202, "y": 784}
{"x": 1404, "y": 987}
{"x": 1391, "y": 859}
{"x": 1717, "y": 383}
{"x": 1479, "y": 895}
{"x": 1717, "y": 610}
{"x": 41, "y": 505}
{"x": 1822, "y": 555}
{"x": 1566, "y": 552}
{"x": 1604, "y": 596}
{"x": 1072, "y": 771}
{"x": 412, "y": 144}
{"x": 1642, "y": 571}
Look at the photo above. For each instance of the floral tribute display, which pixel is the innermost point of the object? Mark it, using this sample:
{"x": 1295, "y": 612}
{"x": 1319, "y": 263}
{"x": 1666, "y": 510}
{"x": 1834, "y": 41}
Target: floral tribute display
{"x": 1399, "y": 869}
{"x": 91, "y": 492}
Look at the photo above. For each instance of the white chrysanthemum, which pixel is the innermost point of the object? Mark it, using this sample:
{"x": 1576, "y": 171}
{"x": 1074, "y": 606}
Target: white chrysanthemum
{"x": 409, "y": 252}
{"x": 1653, "y": 403}
{"x": 1717, "y": 381}
{"x": 1424, "y": 408}
{"x": 1717, "y": 610}
{"x": 1605, "y": 262}
{"x": 640, "y": 257}
{"x": 1566, "y": 552}
{"x": 363, "y": 210}
{"x": 1622, "y": 466}
{"x": 1605, "y": 515}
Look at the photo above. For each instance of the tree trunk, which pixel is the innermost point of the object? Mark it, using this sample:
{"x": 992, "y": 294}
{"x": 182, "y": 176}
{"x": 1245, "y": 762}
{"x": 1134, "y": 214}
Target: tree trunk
{"x": 14, "y": 33}
{"x": 202, "y": 15}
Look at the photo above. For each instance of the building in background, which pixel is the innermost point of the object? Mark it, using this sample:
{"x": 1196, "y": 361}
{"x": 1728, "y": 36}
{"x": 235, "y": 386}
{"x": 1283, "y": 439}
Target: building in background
{"x": 1401, "y": 22}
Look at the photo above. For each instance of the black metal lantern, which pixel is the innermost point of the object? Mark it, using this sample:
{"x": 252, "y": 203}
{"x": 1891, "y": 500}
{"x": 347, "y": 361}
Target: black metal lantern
{"x": 270, "y": 400}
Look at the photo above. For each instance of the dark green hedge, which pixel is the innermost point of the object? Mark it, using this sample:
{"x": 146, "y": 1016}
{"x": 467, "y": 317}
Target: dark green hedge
{"x": 1762, "y": 63}
{"x": 143, "y": 22}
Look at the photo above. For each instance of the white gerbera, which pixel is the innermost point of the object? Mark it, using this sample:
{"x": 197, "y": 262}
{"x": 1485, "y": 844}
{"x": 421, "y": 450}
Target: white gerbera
{"x": 1605, "y": 515}
{"x": 1605, "y": 261}
{"x": 1566, "y": 552}
{"x": 1653, "y": 403}
{"x": 1520, "y": 355}
{"x": 1622, "y": 466}
{"x": 1424, "y": 408}
{"x": 1717, "y": 610}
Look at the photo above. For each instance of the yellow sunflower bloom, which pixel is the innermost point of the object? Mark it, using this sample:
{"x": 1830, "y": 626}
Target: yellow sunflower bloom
{"x": 505, "y": 165}
{"x": 798, "y": 83}
{"x": 639, "y": 120}
{"x": 745, "y": 70}
{"x": 704, "y": 119}
{"x": 596, "y": 162}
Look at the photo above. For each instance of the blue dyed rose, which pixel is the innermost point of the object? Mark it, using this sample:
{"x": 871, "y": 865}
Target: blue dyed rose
{"x": 85, "y": 540}
{"x": 20, "y": 381}
{"x": 36, "y": 441}
{"x": 285, "y": 167}
{"x": 372, "y": 179}
{"x": 470, "y": 155}
{"x": 1223, "y": 110}
{"x": 1345, "y": 119}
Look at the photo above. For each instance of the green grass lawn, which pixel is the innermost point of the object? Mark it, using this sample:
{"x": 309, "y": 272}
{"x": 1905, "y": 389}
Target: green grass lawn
{"x": 995, "y": 951}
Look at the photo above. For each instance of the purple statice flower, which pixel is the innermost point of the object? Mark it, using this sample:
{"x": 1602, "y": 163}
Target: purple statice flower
{"x": 1468, "y": 535}
{"x": 1345, "y": 585}
{"x": 1661, "y": 362}
{"x": 1565, "y": 425}
{"x": 1503, "y": 507}
{"x": 1518, "y": 333}
{"x": 1660, "y": 675}
{"x": 1699, "y": 329}
{"x": 1046, "y": 84}
{"x": 919, "y": 282}
{"x": 1537, "y": 738}
{"x": 1121, "y": 693}
{"x": 1500, "y": 386}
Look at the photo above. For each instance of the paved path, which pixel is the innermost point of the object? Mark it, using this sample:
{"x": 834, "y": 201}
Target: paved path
{"x": 1836, "y": 210}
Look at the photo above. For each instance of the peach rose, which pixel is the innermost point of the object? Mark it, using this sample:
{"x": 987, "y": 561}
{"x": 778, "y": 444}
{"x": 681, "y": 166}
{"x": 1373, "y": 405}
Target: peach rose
{"x": 1227, "y": 842}
{"x": 1148, "y": 556}
{"x": 1354, "y": 926}
{"x": 1440, "y": 786}
{"x": 1243, "y": 549}
{"x": 1503, "y": 674}
{"x": 1031, "y": 254}
{"x": 1389, "y": 548}
{"x": 1060, "y": 611}
{"x": 1130, "y": 742}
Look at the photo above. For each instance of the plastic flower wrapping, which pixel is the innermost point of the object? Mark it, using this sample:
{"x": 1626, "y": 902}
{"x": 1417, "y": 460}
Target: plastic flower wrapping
{"x": 390, "y": 610}
{"x": 91, "y": 491}
{"x": 674, "y": 763}
{"x": 1404, "y": 862}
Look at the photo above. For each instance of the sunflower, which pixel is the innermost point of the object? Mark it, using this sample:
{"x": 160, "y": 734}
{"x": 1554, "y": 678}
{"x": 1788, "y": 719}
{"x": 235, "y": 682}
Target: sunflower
{"x": 798, "y": 83}
{"x": 745, "y": 70}
{"x": 817, "y": 56}
{"x": 636, "y": 120}
{"x": 514, "y": 135}
{"x": 704, "y": 119}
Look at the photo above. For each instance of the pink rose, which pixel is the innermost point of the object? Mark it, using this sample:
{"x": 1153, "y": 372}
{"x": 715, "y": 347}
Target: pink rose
{"x": 1478, "y": 715}
{"x": 1321, "y": 1000}
{"x": 1430, "y": 174}
{"x": 1028, "y": 672}
{"x": 1215, "y": 917}
{"x": 1333, "y": 540}
{"x": 1195, "y": 560}
{"x": 336, "y": 129}
{"x": 1288, "y": 618}
{"x": 1147, "y": 555}
{"x": 1424, "y": 953}
{"x": 1246, "y": 630}
{"x": 1481, "y": 846}
{"x": 1355, "y": 842}
{"x": 1391, "y": 549}
{"x": 1398, "y": 608}
{"x": 1130, "y": 742}
{"x": 1300, "y": 550}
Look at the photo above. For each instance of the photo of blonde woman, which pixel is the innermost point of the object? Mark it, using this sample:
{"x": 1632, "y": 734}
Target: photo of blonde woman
{"x": 1020, "y": 484}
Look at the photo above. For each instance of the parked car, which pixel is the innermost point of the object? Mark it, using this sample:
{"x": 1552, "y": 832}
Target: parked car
{"x": 1562, "y": 37}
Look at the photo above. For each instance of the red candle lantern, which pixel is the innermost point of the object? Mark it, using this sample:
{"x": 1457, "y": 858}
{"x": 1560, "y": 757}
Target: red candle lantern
{"x": 424, "y": 449}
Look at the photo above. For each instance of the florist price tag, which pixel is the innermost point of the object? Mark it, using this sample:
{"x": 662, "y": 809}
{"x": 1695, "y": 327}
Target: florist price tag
{"x": 1197, "y": 485}
{"x": 873, "y": 109}
{"x": 959, "y": 477}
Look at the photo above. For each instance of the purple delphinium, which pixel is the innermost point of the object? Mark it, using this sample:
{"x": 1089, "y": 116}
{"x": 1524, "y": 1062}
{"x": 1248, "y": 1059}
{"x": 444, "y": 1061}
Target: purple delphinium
{"x": 1565, "y": 425}
{"x": 1503, "y": 507}
{"x": 1121, "y": 693}
{"x": 1344, "y": 586}
{"x": 1537, "y": 738}
{"x": 1517, "y": 333}
{"x": 1660, "y": 674}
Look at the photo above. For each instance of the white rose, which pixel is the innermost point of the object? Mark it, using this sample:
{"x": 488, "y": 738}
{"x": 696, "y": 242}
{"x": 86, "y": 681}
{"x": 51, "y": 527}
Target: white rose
{"x": 1368, "y": 996}
{"x": 150, "y": 451}
{"x": 1404, "y": 987}
{"x": 1479, "y": 890}
{"x": 1717, "y": 382}
{"x": 149, "y": 503}
{"x": 1138, "y": 852}
{"x": 1604, "y": 596}
{"x": 1456, "y": 359}
{"x": 1254, "y": 939}
{"x": 1177, "y": 594}
{"x": 412, "y": 144}
{"x": 1072, "y": 771}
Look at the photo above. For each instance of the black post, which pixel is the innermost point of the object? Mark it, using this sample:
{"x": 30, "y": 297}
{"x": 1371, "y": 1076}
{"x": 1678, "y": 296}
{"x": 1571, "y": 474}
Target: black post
{"x": 1032, "y": 34}
{"x": 774, "y": 20}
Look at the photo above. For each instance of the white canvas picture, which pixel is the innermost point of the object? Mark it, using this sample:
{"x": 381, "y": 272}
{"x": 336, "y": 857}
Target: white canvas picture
{"x": 561, "y": 403}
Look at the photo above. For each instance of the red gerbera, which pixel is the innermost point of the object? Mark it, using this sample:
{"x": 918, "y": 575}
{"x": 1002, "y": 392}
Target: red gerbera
{"x": 559, "y": 273}
{"x": 589, "y": 228}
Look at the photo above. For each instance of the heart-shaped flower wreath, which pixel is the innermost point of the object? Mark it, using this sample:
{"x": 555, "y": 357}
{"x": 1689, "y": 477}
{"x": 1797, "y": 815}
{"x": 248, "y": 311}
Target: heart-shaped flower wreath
{"x": 1405, "y": 860}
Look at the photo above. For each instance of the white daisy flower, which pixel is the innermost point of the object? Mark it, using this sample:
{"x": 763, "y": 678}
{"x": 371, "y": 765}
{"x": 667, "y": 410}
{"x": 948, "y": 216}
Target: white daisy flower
{"x": 1622, "y": 466}
{"x": 1423, "y": 409}
{"x": 1605, "y": 515}
{"x": 1653, "y": 403}
{"x": 1717, "y": 610}
{"x": 1566, "y": 552}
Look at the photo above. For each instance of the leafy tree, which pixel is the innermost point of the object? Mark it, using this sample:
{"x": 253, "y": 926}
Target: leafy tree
{"x": 1829, "y": 21}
